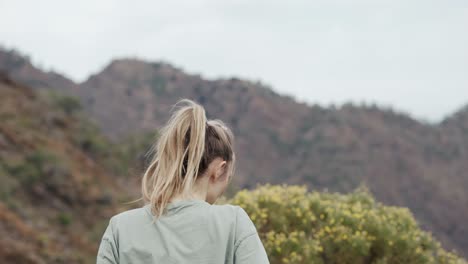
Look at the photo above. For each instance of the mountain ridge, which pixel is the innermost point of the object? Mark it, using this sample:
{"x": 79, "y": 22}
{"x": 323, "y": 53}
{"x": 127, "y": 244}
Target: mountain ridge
{"x": 4, "y": 52}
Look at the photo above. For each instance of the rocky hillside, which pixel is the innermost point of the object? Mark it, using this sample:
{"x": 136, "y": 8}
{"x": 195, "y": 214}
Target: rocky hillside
{"x": 55, "y": 198}
{"x": 19, "y": 67}
{"x": 403, "y": 161}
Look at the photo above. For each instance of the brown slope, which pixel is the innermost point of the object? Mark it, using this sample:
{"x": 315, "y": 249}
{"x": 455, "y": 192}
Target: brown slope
{"x": 50, "y": 187}
{"x": 21, "y": 244}
{"x": 19, "y": 67}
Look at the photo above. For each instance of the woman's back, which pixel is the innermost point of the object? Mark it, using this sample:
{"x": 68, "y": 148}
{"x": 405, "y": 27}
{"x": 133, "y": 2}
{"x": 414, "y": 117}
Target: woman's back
{"x": 192, "y": 231}
{"x": 191, "y": 168}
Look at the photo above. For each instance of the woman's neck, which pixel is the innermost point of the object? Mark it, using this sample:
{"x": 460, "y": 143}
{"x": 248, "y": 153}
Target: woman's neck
{"x": 199, "y": 192}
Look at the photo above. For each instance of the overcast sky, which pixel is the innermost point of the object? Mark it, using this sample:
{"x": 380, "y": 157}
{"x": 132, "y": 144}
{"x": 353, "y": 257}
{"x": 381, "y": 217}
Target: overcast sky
{"x": 411, "y": 55}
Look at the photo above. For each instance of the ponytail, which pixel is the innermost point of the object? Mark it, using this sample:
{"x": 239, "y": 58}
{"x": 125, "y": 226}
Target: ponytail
{"x": 187, "y": 144}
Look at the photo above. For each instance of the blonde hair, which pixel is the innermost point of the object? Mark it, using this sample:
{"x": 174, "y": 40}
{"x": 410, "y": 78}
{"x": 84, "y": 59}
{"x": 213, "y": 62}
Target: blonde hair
{"x": 188, "y": 143}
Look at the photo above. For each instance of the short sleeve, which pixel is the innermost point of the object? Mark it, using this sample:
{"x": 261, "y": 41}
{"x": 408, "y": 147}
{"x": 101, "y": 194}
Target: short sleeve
{"x": 248, "y": 247}
{"x": 108, "y": 248}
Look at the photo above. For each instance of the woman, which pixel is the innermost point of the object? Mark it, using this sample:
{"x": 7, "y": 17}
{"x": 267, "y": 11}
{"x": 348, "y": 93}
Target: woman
{"x": 179, "y": 223}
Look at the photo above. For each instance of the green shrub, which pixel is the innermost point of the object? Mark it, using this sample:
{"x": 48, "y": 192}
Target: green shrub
{"x": 158, "y": 85}
{"x": 129, "y": 153}
{"x": 33, "y": 167}
{"x": 89, "y": 138}
{"x": 39, "y": 166}
{"x": 297, "y": 226}
{"x": 7, "y": 184}
{"x": 68, "y": 104}
{"x": 64, "y": 219}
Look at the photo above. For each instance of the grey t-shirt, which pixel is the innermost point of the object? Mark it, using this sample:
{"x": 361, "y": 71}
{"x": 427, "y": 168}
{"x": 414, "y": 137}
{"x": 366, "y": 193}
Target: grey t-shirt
{"x": 193, "y": 231}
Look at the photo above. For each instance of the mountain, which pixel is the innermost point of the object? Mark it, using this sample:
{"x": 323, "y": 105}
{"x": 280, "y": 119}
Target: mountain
{"x": 455, "y": 127}
{"x": 19, "y": 67}
{"x": 403, "y": 161}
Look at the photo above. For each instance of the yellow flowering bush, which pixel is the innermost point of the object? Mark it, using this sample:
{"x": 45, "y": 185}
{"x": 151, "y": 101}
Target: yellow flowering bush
{"x": 297, "y": 226}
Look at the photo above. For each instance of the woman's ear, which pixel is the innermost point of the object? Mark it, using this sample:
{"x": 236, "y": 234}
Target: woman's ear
{"x": 220, "y": 169}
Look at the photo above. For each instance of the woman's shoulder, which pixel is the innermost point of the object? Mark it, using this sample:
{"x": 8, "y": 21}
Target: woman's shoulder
{"x": 233, "y": 209}
{"x": 130, "y": 216}
{"x": 226, "y": 210}
{"x": 238, "y": 216}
